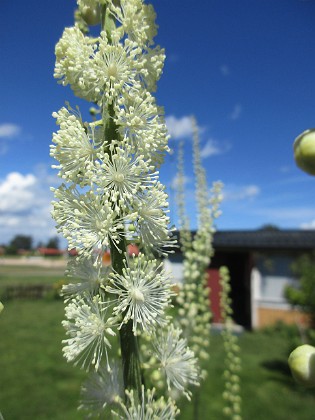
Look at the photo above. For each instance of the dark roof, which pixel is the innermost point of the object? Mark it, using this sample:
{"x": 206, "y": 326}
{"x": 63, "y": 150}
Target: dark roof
{"x": 295, "y": 239}
{"x": 265, "y": 239}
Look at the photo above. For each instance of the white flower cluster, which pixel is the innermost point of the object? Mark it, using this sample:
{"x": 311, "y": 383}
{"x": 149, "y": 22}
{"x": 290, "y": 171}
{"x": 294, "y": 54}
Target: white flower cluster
{"x": 149, "y": 408}
{"x": 111, "y": 197}
{"x": 143, "y": 293}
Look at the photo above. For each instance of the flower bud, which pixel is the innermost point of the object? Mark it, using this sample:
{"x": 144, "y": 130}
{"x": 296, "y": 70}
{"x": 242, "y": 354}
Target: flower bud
{"x": 91, "y": 15}
{"x": 1, "y": 307}
{"x": 304, "y": 151}
{"x": 302, "y": 365}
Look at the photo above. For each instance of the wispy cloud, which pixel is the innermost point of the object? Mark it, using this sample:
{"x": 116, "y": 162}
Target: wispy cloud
{"x": 236, "y": 112}
{"x": 238, "y": 193}
{"x": 8, "y": 130}
{"x": 172, "y": 58}
{"x": 214, "y": 147}
{"x": 175, "y": 181}
{"x": 225, "y": 70}
{"x": 179, "y": 128}
{"x": 292, "y": 214}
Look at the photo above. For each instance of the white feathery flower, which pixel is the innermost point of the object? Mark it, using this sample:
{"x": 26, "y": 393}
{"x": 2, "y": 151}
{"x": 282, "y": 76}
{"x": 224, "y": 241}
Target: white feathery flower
{"x": 87, "y": 220}
{"x": 102, "y": 390}
{"x": 75, "y": 65}
{"x": 151, "y": 67}
{"x": 148, "y": 409}
{"x": 141, "y": 122}
{"x": 137, "y": 20}
{"x": 89, "y": 326}
{"x": 143, "y": 291}
{"x": 122, "y": 175}
{"x": 176, "y": 360}
{"x": 152, "y": 222}
{"x": 75, "y": 148}
{"x": 89, "y": 270}
{"x": 116, "y": 66}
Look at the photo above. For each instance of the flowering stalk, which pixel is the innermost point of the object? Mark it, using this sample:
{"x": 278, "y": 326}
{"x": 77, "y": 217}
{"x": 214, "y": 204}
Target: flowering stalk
{"x": 193, "y": 298}
{"x": 231, "y": 393}
{"x": 110, "y": 198}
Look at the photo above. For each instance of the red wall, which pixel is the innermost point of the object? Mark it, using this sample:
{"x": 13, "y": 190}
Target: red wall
{"x": 215, "y": 289}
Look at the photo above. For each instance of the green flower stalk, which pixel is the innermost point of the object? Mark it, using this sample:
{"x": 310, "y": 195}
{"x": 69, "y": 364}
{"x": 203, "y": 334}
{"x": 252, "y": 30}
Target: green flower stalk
{"x": 110, "y": 197}
{"x": 231, "y": 393}
{"x": 193, "y": 297}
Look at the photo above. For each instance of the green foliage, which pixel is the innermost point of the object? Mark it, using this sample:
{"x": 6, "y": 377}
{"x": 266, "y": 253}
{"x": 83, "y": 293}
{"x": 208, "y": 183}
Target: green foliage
{"x": 304, "y": 296}
{"x": 20, "y": 275}
{"x": 21, "y": 242}
{"x": 39, "y": 384}
{"x": 53, "y": 243}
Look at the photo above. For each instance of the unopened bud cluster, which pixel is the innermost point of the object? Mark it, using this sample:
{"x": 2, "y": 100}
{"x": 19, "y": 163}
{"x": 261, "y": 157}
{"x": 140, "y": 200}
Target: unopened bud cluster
{"x": 193, "y": 298}
{"x": 231, "y": 394}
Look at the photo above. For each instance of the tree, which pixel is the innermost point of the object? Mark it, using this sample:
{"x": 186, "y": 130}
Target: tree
{"x": 20, "y": 242}
{"x": 53, "y": 243}
{"x": 304, "y": 295}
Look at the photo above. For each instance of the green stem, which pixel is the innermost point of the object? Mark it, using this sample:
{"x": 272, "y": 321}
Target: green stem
{"x": 128, "y": 341}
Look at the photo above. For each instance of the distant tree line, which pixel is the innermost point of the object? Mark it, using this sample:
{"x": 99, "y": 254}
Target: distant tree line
{"x": 25, "y": 243}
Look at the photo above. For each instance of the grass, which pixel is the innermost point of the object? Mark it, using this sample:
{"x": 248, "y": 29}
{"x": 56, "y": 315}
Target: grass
{"x": 28, "y": 275}
{"x": 37, "y": 383}
{"x": 12, "y": 275}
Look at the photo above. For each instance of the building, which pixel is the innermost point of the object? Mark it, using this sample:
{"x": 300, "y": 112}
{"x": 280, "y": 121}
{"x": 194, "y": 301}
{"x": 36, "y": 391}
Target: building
{"x": 259, "y": 262}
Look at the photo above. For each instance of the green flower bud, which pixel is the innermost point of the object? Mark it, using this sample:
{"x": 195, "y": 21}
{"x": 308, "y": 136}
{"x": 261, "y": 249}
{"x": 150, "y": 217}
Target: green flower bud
{"x": 156, "y": 375}
{"x": 302, "y": 365}
{"x": 1, "y": 307}
{"x": 304, "y": 151}
{"x": 92, "y": 16}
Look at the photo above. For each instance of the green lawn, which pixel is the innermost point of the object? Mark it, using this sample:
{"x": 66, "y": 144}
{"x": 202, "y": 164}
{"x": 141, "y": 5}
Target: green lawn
{"x": 36, "y": 383}
{"x": 11, "y": 275}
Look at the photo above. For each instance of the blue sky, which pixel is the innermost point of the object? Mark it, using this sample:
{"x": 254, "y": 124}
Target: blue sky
{"x": 245, "y": 69}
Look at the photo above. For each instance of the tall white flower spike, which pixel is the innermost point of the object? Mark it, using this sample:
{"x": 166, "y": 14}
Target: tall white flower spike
{"x": 111, "y": 197}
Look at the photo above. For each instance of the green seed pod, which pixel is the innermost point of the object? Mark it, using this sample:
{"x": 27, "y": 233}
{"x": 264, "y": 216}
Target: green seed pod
{"x": 304, "y": 151}
{"x": 302, "y": 365}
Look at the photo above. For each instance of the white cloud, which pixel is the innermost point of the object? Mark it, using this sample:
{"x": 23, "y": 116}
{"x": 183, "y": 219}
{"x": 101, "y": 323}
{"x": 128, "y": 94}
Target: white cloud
{"x": 236, "y": 112}
{"x": 308, "y": 225}
{"x": 237, "y": 193}
{"x": 25, "y": 207}
{"x": 179, "y": 127}
{"x": 17, "y": 192}
{"x": 8, "y": 130}
{"x": 225, "y": 70}
{"x": 214, "y": 147}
